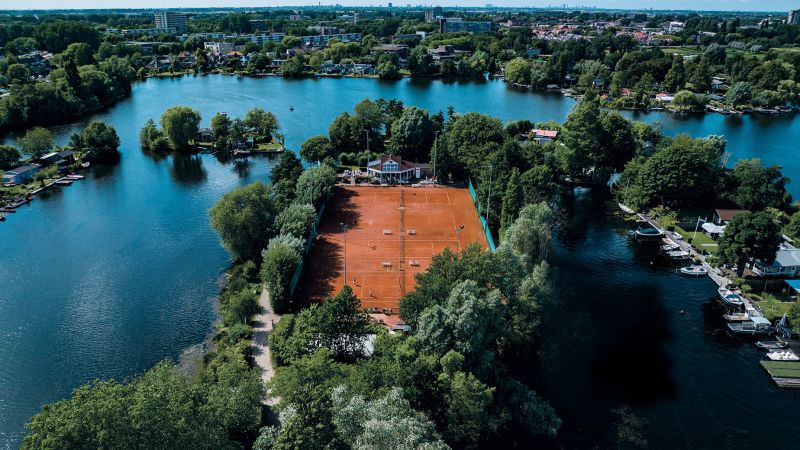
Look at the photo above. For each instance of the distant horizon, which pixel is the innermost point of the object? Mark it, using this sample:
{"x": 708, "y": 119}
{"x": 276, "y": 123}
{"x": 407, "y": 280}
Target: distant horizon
{"x": 776, "y": 6}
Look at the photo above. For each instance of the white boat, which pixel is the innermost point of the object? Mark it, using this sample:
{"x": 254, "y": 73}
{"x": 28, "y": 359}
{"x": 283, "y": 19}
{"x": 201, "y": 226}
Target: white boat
{"x": 729, "y": 297}
{"x": 670, "y": 247}
{"x": 694, "y": 271}
{"x": 679, "y": 254}
{"x": 626, "y": 209}
{"x": 754, "y": 326}
{"x": 648, "y": 234}
{"x": 783, "y": 355}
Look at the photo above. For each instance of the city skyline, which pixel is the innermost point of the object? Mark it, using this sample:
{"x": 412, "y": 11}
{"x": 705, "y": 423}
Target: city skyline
{"x": 704, "y": 5}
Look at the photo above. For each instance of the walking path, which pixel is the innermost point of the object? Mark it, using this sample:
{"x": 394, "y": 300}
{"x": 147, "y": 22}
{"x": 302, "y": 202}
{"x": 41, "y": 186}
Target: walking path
{"x": 262, "y": 328}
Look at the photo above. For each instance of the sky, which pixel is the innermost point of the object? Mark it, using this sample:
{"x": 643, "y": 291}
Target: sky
{"x": 716, "y": 5}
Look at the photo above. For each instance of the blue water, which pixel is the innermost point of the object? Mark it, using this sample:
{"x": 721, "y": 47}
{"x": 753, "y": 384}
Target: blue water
{"x": 105, "y": 277}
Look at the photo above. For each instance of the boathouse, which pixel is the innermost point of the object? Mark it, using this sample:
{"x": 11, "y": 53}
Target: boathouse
{"x": 21, "y": 174}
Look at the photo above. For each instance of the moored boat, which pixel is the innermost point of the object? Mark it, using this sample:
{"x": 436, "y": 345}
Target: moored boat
{"x": 754, "y": 326}
{"x": 783, "y": 355}
{"x": 772, "y": 345}
{"x": 729, "y": 297}
{"x": 679, "y": 254}
{"x": 648, "y": 234}
{"x": 694, "y": 271}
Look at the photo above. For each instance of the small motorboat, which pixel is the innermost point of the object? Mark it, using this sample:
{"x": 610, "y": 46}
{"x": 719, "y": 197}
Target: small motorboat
{"x": 783, "y": 355}
{"x": 694, "y": 271}
{"x": 291, "y": 108}
{"x": 679, "y": 254}
{"x": 648, "y": 234}
{"x": 772, "y": 345}
{"x": 670, "y": 247}
{"x": 729, "y": 297}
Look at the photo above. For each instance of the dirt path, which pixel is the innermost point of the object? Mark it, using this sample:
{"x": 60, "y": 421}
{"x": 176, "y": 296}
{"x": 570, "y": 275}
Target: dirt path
{"x": 262, "y": 327}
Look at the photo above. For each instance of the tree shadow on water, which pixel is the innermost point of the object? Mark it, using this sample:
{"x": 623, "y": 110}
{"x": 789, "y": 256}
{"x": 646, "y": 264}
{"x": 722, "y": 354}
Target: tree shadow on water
{"x": 188, "y": 169}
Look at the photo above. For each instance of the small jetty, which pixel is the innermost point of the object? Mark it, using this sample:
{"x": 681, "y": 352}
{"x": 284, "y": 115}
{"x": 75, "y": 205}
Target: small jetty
{"x": 785, "y": 374}
{"x": 11, "y": 206}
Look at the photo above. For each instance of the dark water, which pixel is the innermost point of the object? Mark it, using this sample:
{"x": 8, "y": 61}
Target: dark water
{"x": 118, "y": 271}
{"x": 620, "y": 339}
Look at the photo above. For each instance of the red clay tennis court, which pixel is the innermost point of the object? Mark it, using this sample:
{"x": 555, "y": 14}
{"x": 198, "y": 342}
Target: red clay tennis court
{"x": 392, "y": 233}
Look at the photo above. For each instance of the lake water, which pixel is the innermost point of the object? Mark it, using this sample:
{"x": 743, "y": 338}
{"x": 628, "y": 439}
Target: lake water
{"x": 118, "y": 271}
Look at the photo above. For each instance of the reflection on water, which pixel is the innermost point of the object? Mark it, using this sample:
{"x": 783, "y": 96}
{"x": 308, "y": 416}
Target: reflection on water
{"x": 188, "y": 169}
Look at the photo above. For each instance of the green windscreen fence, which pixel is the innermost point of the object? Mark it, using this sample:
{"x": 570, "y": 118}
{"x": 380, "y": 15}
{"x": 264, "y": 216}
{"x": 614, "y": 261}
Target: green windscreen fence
{"x": 309, "y": 242}
{"x": 485, "y": 226}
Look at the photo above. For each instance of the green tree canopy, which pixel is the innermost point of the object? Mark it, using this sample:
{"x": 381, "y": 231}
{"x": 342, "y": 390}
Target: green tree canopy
{"x": 180, "y": 125}
{"x": 412, "y": 134}
{"x": 9, "y": 157}
{"x": 36, "y": 142}
{"x": 750, "y": 236}
{"x": 244, "y": 220}
{"x": 265, "y": 123}
{"x": 317, "y": 148}
{"x": 758, "y": 187}
{"x": 97, "y": 142}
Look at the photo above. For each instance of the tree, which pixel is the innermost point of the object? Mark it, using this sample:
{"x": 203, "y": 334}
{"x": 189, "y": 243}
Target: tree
{"x": 752, "y": 235}
{"x": 468, "y": 139}
{"x": 758, "y": 187}
{"x": 296, "y": 220}
{"x": 518, "y": 71}
{"x": 244, "y": 220}
{"x": 277, "y": 269}
{"x": 388, "y": 71}
{"x": 685, "y": 172}
{"x": 98, "y": 143}
{"x": 265, "y": 123}
{"x": 687, "y": 101}
{"x": 36, "y": 142}
{"x": 792, "y": 229}
{"x": 412, "y": 134}
{"x": 513, "y": 199}
{"x": 160, "y": 409}
{"x": 17, "y": 74}
{"x": 9, "y": 157}
{"x": 676, "y": 77}
{"x": 151, "y": 138}
{"x": 288, "y": 168}
{"x": 739, "y": 94}
{"x": 220, "y": 128}
{"x": 581, "y": 135}
{"x": 180, "y": 125}
{"x": 343, "y": 133}
{"x": 294, "y": 66}
{"x": 315, "y": 185}
{"x": 382, "y": 423}
{"x": 317, "y": 148}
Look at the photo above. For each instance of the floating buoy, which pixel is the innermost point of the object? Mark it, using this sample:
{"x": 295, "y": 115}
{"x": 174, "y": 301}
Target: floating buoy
{"x": 683, "y": 312}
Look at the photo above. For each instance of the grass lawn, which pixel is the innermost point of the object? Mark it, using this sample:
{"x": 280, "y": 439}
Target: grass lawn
{"x": 701, "y": 242}
{"x": 272, "y": 146}
{"x": 773, "y": 308}
{"x": 680, "y": 51}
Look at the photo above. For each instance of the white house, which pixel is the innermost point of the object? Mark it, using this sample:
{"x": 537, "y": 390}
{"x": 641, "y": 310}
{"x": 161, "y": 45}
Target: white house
{"x": 392, "y": 168}
{"x": 786, "y": 264}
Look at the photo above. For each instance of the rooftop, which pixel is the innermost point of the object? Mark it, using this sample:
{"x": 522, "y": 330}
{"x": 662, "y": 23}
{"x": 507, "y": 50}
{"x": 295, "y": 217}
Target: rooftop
{"x": 728, "y": 214}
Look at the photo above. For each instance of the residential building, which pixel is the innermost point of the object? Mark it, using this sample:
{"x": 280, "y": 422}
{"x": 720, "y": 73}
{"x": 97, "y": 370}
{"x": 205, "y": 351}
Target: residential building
{"x": 454, "y": 25}
{"x": 322, "y": 41}
{"x": 442, "y": 52}
{"x": 143, "y": 31}
{"x": 219, "y": 48}
{"x": 401, "y": 51}
{"x": 258, "y": 25}
{"x": 172, "y": 22}
{"x": 675, "y": 27}
{"x": 794, "y": 17}
{"x": 21, "y": 174}
{"x": 724, "y": 216}
{"x": 205, "y": 135}
{"x": 62, "y": 159}
{"x": 37, "y": 62}
{"x": 786, "y": 264}
{"x": 324, "y": 29}
{"x": 542, "y": 136}
{"x": 433, "y": 14}
{"x": 391, "y": 168}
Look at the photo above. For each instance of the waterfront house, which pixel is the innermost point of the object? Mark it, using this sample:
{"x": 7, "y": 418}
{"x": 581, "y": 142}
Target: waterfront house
{"x": 786, "y": 264}
{"x": 205, "y": 135}
{"x": 724, "y": 216}
{"x": 401, "y": 51}
{"x": 542, "y": 136}
{"x": 648, "y": 149}
{"x": 665, "y": 97}
{"x": 21, "y": 174}
{"x": 62, "y": 159}
{"x": 391, "y": 168}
